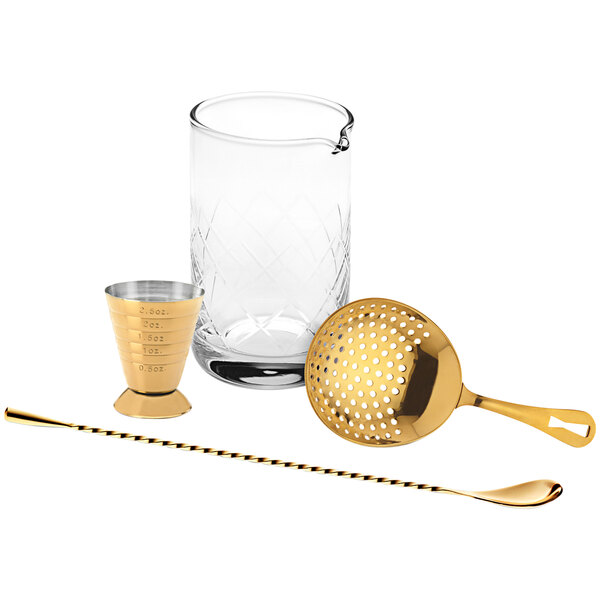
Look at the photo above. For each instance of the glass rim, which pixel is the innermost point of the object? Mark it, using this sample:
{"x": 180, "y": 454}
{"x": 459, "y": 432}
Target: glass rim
{"x": 341, "y": 145}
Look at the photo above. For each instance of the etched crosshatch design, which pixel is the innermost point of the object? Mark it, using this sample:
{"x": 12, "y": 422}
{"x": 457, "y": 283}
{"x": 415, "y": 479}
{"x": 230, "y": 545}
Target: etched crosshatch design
{"x": 270, "y": 238}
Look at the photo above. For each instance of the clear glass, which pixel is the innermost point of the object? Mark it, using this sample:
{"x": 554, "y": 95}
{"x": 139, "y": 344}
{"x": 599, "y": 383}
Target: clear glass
{"x": 270, "y": 231}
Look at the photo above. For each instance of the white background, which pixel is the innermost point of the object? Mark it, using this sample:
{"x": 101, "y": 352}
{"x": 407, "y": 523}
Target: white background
{"x": 475, "y": 192}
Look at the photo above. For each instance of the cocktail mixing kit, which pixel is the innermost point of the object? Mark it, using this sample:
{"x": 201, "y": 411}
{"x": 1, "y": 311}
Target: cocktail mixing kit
{"x": 268, "y": 303}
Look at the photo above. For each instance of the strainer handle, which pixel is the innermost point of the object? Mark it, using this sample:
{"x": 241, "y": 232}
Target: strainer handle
{"x": 548, "y": 420}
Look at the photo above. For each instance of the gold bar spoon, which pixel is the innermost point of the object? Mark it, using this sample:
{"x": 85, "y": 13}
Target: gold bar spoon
{"x": 531, "y": 493}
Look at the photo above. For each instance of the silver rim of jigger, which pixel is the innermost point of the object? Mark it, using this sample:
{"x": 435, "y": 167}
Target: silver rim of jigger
{"x": 149, "y": 290}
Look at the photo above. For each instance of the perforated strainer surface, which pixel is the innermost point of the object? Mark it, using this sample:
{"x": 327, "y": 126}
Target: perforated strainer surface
{"x": 379, "y": 373}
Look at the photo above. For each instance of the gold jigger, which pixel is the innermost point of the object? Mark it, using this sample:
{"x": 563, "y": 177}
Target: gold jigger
{"x": 154, "y": 324}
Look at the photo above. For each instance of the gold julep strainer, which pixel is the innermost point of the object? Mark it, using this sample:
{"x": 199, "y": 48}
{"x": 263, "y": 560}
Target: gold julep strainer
{"x": 380, "y": 373}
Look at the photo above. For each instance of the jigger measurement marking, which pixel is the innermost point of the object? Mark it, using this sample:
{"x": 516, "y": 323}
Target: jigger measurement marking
{"x": 154, "y": 311}
{"x": 151, "y": 338}
{"x": 152, "y": 351}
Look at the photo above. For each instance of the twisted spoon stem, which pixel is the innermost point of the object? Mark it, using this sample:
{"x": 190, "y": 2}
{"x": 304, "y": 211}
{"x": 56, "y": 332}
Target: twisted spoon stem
{"x": 533, "y": 493}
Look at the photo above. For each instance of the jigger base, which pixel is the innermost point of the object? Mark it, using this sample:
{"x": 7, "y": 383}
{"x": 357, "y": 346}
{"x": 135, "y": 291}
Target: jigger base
{"x": 152, "y": 406}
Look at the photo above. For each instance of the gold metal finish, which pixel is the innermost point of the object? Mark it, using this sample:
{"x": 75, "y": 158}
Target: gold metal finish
{"x": 147, "y": 406}
{"x": 380, "y": 373}
{"x": 154, "y": 324}
{"x": 532, "y": 493}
